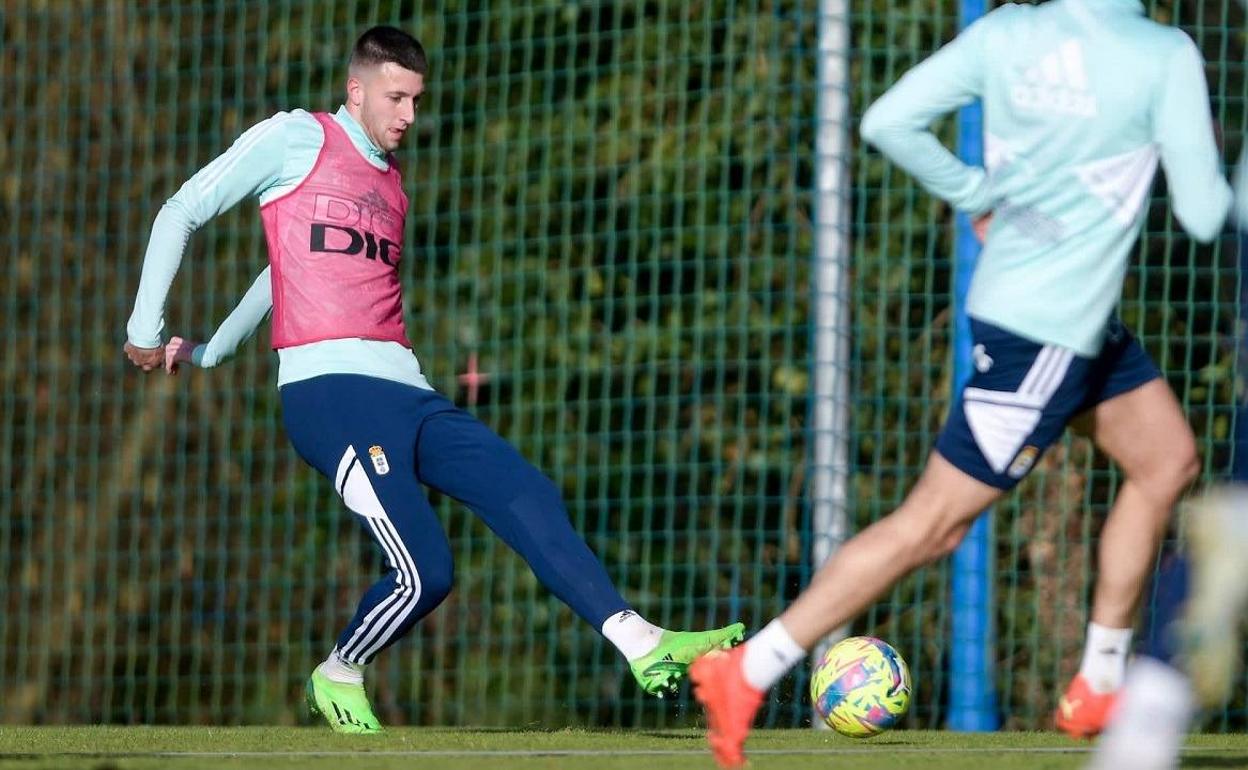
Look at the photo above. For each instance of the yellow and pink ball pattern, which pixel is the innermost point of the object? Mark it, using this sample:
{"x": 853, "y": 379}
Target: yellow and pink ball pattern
{"x": 861, "y": 687}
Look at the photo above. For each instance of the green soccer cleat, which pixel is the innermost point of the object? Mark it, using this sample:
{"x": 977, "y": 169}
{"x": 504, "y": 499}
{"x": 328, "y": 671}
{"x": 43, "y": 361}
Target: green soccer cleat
{"x": 659, "y": 672}
{"x": 344, "y": 706}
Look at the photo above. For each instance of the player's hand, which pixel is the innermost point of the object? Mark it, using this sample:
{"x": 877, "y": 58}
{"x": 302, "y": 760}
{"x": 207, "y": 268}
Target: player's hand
{"x": 178, "y": 351}
{"x": 146, "y": 359}
{"x": 980, "y": 225}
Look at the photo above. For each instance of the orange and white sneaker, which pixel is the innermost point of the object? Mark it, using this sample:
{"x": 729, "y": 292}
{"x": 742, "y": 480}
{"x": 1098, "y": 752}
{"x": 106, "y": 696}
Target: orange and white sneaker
{"x": 1082, "y": 712}
{"x": 730, "y": 702}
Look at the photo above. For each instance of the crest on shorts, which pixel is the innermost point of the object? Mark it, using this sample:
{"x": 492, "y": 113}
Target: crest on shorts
{"x": 983, "y": 361}
{"x": 380, "y": 463}
{"x": 1023, "y": 462}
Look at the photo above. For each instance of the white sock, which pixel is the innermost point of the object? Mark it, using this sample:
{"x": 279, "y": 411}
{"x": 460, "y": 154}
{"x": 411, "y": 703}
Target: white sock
{"x": 1153, "y": 715}
{"x": 1105, "y": 657}
{"x": 631, "y": 634}
{"x": 769, "y": 655}
{"x": 336, "y": 669}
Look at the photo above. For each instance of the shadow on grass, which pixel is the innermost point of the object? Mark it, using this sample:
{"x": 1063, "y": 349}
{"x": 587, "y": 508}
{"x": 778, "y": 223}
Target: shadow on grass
{"x": 894, "y": 741}
{"x": 1221, "y": 760}
{"x": 697, "y": 737}
{"x": 497, "y": 730}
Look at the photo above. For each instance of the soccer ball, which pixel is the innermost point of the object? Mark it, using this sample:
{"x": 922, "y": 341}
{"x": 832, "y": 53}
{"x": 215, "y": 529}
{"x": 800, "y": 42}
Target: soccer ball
{"x": 860, "y": 687}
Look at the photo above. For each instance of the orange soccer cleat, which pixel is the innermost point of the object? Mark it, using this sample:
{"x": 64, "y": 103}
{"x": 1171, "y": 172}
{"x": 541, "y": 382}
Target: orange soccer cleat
{"x": 730, "y": 702}
{"x": 1081, "y": 712}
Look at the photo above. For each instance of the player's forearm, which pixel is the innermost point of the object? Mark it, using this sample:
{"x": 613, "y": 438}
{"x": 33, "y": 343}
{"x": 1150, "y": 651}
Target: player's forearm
{"x": 1200, "y": 196}
{"x": 1184, "y": 132}
{"x": 920, "y": 153}
{"x": 1203, "y": 213}
{"x": 898, "y": 122}
{"x": 239, "y": 326}
{"x": 254, "y": 163}
{"x": 170, "y": 231}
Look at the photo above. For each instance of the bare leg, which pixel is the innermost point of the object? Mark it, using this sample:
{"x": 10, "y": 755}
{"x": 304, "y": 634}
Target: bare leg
{"x": 930, "y": 523}
{"x": 1145, "y": 432}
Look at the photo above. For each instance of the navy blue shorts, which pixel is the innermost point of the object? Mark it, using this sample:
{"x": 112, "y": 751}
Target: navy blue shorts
{"x": 1023, "y": 394}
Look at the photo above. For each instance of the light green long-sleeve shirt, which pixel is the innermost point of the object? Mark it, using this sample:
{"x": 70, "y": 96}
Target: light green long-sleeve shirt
{"x": 1081, "y": 98}
{"x": 267, "y": 161}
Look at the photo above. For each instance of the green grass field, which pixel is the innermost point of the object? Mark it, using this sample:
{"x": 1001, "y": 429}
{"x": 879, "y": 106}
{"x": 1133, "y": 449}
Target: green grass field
{"x": 303, "y": 748}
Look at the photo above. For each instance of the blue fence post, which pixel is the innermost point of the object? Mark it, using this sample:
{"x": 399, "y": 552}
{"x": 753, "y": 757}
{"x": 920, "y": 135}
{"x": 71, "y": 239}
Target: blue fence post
{"x": 972, "y": 688}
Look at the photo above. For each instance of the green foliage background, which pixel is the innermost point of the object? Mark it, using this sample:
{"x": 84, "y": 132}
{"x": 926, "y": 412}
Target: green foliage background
{"x": 611, "y": 207}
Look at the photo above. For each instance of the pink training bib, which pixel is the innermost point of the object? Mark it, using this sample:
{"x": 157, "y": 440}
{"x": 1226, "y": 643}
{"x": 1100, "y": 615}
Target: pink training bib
{"x": 334, "y": 245}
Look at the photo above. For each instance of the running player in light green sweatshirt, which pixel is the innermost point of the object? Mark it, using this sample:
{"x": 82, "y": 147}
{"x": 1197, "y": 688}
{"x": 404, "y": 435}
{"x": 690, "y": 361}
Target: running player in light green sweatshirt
{"x": 1081, "y": 99}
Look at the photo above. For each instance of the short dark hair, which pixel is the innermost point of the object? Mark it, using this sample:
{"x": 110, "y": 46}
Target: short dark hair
{"x": 389, "y": 44}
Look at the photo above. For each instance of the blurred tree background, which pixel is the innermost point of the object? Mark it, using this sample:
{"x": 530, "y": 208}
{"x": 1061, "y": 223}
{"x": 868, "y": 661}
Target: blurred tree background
{"x": 611, "y": 214}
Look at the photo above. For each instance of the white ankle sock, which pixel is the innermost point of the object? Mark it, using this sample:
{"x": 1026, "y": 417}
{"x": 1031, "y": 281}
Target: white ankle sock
{"x": 336, "y": 669}
{"x": 631, "y": 634}
{"x": 1105, "y": 657}
{"x": 769, "y": 655}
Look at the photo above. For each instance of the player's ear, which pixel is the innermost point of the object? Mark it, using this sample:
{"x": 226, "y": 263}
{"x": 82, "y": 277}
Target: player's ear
{"x": 355, "y": 89}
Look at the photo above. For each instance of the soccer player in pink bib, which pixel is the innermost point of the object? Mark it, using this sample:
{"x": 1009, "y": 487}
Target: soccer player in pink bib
{"x": 355, "y": 402}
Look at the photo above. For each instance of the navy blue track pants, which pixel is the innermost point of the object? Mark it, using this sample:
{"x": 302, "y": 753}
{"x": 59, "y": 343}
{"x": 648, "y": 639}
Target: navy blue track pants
{"x": 381, "y": 443}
